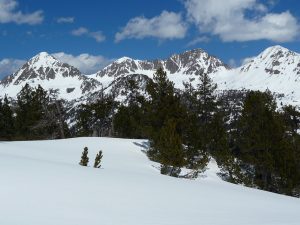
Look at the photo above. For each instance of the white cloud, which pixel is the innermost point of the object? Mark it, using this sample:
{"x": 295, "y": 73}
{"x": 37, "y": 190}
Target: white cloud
{"x": 168, "y": 25}
{"x": 232, "y": 63}
{"x": 82, "y": 31}
{"x": 202, "y": 39}
{"x": 86, "y": 63}
{"x": 10, "y": 14}
{"x": 65, "y": 20}
{"x": 246, "y": 60}
{"x": 97, "y": 35}
{"x": 230, "y": 20}
{"x": 9, "y": 66}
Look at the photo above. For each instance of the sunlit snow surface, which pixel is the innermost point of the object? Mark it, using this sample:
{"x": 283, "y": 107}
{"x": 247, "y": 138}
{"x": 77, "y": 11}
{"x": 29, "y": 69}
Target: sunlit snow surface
{"x": 42, "y": 184}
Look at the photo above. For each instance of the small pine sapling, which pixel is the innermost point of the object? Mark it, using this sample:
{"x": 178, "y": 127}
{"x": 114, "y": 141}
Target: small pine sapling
{"x": 98, "y": 158}
{"x": 84, "y": 158}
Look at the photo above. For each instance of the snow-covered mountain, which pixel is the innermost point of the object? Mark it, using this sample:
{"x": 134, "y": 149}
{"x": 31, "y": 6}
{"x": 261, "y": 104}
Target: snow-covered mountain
{"x": 276, "y": 69}
{"x": 179, "y": 67}
{"x": 43, "y": 69}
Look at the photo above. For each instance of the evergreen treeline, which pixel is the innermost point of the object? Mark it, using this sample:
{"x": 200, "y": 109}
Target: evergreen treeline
{"x": 254, "y": 142}
{"x": 33, "y": 116}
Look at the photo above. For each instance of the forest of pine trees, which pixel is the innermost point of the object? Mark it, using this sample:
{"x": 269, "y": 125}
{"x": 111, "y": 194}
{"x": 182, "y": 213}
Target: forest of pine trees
{"x": 34, "y": 115}
{"x": 254, "y": 142}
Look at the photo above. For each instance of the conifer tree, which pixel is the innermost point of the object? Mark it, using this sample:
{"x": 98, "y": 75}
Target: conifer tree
{"x": 7, "y": 129}
{"x": 164, "y": 102}
{"x": 97, "y": 163}
{"x": 261, "y": 140}
{"x": 129, "y": 119}
{"x": 37, "y": 117}
{"x": 164, "y": 105}
{"x": 201, "y": 126}
{"x": 170, "y": 149}
{"x": 206, "y": 108}
{"x": 84, "y": 157}
{"x": 95, "y": 119}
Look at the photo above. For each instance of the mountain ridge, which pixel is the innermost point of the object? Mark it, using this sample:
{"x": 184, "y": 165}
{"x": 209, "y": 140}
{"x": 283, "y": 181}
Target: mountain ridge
{"x": 276, "y": 68}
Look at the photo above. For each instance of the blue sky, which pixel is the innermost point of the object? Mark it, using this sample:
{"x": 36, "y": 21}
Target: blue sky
{"x": 90, "y": 33}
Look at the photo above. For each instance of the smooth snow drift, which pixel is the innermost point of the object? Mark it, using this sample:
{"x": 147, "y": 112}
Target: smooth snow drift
{"x": 42, "y": 184}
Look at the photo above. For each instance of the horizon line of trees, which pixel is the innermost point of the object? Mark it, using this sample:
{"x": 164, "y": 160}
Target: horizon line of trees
{"x": 253, "y": 141}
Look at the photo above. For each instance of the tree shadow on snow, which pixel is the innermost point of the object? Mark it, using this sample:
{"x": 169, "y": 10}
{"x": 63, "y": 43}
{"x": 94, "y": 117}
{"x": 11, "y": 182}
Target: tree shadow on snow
{"x": 144, "y": 145}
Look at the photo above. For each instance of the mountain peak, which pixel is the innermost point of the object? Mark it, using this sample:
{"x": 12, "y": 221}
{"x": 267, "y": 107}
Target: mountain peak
{"x": 43, "y": 59}
{"x": 42, "y": 66}
{"x": 274, "y": 60}
{"x": 196, "y": 50}
{"x": 276, "y": 50}
{"x": 122, "y": 59}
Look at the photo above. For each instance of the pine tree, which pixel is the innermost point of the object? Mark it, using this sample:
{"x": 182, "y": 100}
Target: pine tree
{"x": 7, "y": 130}
{"x": 26, "y": 114}
{"x": 95, "y": 119}
{"x": 38, "y": 117}
{"x": 129, "y": 119}
{"x": 201, "y": 127}
{"x": 206, "y": 108}
{"x": 261, "y": 139}
{"x": 163, "y": 105}
{"x": 164, "y": 102}
{"x": 170, "y": 149}
{"x": 84, "y": 158}
{"x": 98, "y": 159}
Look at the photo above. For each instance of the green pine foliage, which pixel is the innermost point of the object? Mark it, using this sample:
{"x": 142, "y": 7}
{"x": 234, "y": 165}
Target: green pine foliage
{"x": 169, "y": 149}
{"x": 97, "y": 163}
{"x": 7, "y": 121}
{"x": 37, "y": 117}
{"x": 84, "y": 157}
{"x": 95, "y": 119}
{"x": 204, "y": 131}
{"x": 163, "y": 123}
{"x": 265, "y": 146}
{"x": 128, "y": 121}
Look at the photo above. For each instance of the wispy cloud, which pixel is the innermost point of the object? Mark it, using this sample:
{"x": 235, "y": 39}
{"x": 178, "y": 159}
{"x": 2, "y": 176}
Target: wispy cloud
{"x": 65, "y": 20}
{"x": 203, "y": 39}
{"x": 9, "y": 66}
{"x": 9, "y": 13}
{"x": 82, "y": 31}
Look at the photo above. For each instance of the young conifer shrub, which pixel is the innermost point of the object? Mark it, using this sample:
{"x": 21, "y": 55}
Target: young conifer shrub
{"x": 98, "y": 159}
{"x": 84, "y": 157}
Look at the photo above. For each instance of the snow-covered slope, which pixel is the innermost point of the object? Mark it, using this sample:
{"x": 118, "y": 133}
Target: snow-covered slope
{"x": 43, "y": 69}
{"x": 42, "y": 183}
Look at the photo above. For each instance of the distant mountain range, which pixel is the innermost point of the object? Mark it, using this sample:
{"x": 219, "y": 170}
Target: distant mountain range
{"x": 276, "y": 69}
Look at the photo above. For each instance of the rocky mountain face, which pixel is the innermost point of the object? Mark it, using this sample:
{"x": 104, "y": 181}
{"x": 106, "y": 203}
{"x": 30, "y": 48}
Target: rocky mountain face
{"x": 194, "y": 62}
{"x": 276, "y": 69}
